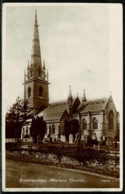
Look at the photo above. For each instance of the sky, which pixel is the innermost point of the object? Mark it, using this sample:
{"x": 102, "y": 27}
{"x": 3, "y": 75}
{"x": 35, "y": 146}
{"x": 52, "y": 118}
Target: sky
{"x": 81, "y": 44}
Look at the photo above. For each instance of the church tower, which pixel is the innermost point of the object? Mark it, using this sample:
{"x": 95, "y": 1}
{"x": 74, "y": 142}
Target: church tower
{"x": 36, "y": 77}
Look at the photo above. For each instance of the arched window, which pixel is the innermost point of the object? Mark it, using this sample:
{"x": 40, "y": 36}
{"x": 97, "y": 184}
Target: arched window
{"x": 84, "y": 124}
{"x": 23, "y": 130}
{"x": 29, "y": 92}
{"x": 40, "y": 91}
{"x": 50, "y": 130}
{"x": 53, "y": 129}
{"x": 46, "y": 130}
{"x": 59, "y": 130}
{"x": 95, "y": 123}
{"x": 111, "y": 120}
{"x": 26, "y": 130}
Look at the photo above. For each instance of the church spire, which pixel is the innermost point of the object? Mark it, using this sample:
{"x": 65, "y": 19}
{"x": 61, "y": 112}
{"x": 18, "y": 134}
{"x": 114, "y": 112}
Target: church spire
{"x": 36, "y": 89}
{"x": 36, "y": 23}
{"x": 36, "y": 54}
{"x": 35, "y": 68}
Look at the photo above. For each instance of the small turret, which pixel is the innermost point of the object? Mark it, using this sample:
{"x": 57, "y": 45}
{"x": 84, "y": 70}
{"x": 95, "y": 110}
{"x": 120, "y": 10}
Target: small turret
{"x": 44, "y": 67}
{"x": 24, "y": 75}
{"x": 31, "y": 70}
{"x": 84, "y": 97}
{"x": 47, "y": 75}
{"x": 70, "y": 102}
{"x": 28, "y": 70}
{"x": 70, "y": 98}
{"x": 28, "y": 66}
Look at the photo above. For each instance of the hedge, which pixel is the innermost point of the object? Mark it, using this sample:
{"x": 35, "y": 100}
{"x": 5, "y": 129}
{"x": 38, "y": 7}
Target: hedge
{"x": 75, "y": 152}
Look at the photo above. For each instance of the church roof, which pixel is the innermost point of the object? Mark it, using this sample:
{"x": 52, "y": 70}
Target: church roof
{"x": 54, "y": 111}
{"x": 95, "y": 105}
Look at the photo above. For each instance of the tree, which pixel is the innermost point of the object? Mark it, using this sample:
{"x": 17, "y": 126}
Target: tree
{"x": 20, "y": 110}
{"x": 38, "y": 128}
{"x": 16, "y": 116}
{"x": 71, "y": 127}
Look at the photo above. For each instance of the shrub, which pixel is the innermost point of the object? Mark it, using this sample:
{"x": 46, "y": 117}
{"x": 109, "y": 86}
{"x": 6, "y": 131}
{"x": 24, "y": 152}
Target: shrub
{"x": 83, "y": 155}
{"x": 13, "y": 146}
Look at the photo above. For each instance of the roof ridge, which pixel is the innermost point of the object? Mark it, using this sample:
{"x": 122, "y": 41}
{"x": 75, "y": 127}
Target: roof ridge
{"x": 58, "y": 102}
{"x": 99, "y": 99}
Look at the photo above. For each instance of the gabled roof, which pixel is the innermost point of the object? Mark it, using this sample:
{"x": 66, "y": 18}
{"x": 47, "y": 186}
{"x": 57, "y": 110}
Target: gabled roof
{"x": 95, "y": 105}
{"x": 54, "y": 111}
{"x": 76, "y": 104}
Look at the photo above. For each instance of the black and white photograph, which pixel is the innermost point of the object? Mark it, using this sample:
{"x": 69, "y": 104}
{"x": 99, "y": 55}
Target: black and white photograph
{"x": 62, "y": 88}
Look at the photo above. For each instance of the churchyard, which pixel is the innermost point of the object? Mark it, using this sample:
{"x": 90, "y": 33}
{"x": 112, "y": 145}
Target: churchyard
{"x": 95, "y": 159}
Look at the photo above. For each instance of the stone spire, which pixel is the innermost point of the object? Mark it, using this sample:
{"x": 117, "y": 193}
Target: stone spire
{"x": 36, "y": 89}
{"x": 36, "y": 53}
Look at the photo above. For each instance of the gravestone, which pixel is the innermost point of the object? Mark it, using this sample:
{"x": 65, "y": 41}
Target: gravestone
{"x": 98, "y": 146}
{"x": 82, "y": 137}
{"x": 38, "y": 139}
{"x": 71, "y": 138}
{"x": 85, "y": 139}
{"x": 63, "y": 138}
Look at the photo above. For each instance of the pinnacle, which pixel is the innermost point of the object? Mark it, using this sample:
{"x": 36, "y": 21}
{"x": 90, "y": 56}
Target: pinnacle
{"x": 84, "y": 96}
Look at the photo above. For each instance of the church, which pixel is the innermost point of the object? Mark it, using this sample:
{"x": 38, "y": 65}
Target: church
{"x": 97, "y": 119}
